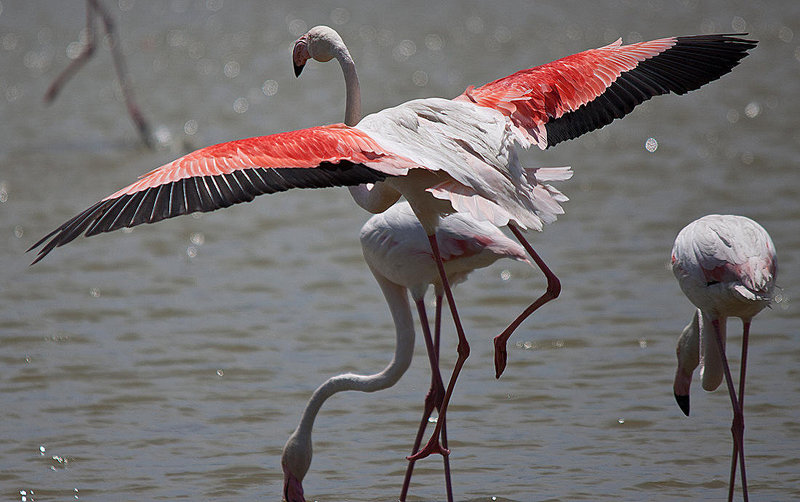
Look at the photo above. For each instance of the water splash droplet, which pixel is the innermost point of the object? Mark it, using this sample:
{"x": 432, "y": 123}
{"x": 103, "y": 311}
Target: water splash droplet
{"x": 434, "y": 42}
{"x": 297, "y": 27}
{"x": 190, "y": 127}
{"x": 752, "y": 110}
{"x": 270, "y": 88}
{"x": 404, "y": 50}
{"x": 197, "y": 238}
{"x": 420, "y": 78}
{"x": 241, "y": 105}
{"x": 474, "y": 24}
{"x": 340, "y": 16}
{"x": 162, "y": 135}
{"x": 231, "y": 69}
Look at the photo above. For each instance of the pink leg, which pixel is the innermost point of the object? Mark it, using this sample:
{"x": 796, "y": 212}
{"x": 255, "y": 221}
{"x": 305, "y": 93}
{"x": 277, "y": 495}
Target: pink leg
{"x": 737, "y": 428}
{"x": 553, "y": 290}
{"x": 434, "y": 446}
{"x": 734, "y": 457}
{"x": 95, "y": 7}
{"x": 433, "y": 399}
{"x": 78, "y": 62}
{"x": 436, "y": 339}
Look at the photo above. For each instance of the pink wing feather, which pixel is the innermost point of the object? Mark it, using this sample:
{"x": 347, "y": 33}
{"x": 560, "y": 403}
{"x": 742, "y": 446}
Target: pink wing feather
{"x": 237, "y": 171}
{"x": 585, "y": 91}
{"x": 304, "y": 148}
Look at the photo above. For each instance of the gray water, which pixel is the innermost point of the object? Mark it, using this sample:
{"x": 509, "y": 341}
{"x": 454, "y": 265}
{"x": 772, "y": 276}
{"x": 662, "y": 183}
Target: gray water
{"x": 173, "y": 361}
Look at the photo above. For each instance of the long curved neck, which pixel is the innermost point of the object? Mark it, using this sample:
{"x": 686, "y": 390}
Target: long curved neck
{"x": 397, "y": 298}
{"x": 711, "y": 372}
{"x": 377, "y": 198}
{"x": 352, "y": 110}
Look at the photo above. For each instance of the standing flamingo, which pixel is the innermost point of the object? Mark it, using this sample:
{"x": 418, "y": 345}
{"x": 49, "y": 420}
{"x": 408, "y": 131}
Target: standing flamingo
{"x": 398, "y": 254}
{"x": 441, "y": 155}
{"x": 726, "y": 265}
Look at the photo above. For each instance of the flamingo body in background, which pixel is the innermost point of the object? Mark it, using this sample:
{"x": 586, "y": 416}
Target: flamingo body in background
{"x": 441, "y": 155}
{"x": 726, "y": 265}
{"x": 397, "y": 251}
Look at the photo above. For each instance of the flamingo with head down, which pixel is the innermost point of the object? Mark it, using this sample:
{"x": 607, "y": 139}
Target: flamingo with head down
{"x": 397, "y": 252}
{"x": 726, "y": 265}
{"x": 442, "y": 155}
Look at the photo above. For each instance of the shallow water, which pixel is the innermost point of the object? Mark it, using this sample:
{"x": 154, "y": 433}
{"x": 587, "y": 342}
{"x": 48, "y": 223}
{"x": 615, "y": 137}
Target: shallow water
{"x": 173, "y": 361}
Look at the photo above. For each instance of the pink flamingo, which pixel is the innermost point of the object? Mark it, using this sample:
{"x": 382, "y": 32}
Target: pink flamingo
{"x": 398, "y": 254}
{"x": 441, "y": 155}
{"x": 726, "y": 265}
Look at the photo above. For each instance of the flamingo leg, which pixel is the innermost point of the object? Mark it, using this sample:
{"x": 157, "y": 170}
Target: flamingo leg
{"x": 734, "y": 456}
{"x": 737, "y": 427}
{"x": 77, "y": 63}
{"x": 433, "y": 445}
{"x": 434, "y": 397}
{"x": 95, "y": 7}
{"x": 437, "y": 337}
{"x": 552, "y": 292}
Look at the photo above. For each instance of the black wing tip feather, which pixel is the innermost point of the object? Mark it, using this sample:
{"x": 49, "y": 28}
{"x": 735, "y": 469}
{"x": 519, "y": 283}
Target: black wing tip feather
{"x": 692, "y": 62}
{"x": 735, "y": 38}
{"x": 203, "y": 194}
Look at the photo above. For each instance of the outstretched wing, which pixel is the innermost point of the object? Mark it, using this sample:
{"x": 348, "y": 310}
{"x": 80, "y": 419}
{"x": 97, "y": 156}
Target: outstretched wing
{"x": 237, "y": 171}
{"x": 586, "y": 91}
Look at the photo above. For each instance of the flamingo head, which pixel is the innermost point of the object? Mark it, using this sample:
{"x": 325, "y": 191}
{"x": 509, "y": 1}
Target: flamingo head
{"x": 292, "y": 487}
{"x": 295, "y": 461}
{"x": 320, "y": 43}
{"x": 688, "y": 353}
{"x": 300, "y": 54}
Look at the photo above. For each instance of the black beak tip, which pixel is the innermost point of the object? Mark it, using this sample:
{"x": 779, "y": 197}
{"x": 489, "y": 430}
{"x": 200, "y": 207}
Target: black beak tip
{"x": 683, "y": 402}
{"x": 298, "y": 69}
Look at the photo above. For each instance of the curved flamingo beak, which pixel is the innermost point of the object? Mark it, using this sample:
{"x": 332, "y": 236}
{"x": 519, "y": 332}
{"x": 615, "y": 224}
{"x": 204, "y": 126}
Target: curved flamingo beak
{"x": 681, "y": 389}
{"x": 683, "y": 402}
{"x": 292, "y": 487}
{"x": 300, "y": 55}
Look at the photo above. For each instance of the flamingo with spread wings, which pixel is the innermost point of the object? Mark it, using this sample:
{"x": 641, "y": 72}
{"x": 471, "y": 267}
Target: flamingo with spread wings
{"x": 442, "y": 155}
{"x": 727, "y": 266}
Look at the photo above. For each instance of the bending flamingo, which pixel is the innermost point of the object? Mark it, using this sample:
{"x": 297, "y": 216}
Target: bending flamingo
{"x": 441, "y": 155}
{"x": 726, "y": 265}
{"x": 398, "y": 254}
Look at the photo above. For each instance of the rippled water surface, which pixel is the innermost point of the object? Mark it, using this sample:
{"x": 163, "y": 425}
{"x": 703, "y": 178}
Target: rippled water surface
{"x": 173, "y": 361}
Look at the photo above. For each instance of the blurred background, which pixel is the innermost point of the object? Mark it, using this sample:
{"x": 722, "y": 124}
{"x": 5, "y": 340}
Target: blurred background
{"x": 173, "y": 361}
